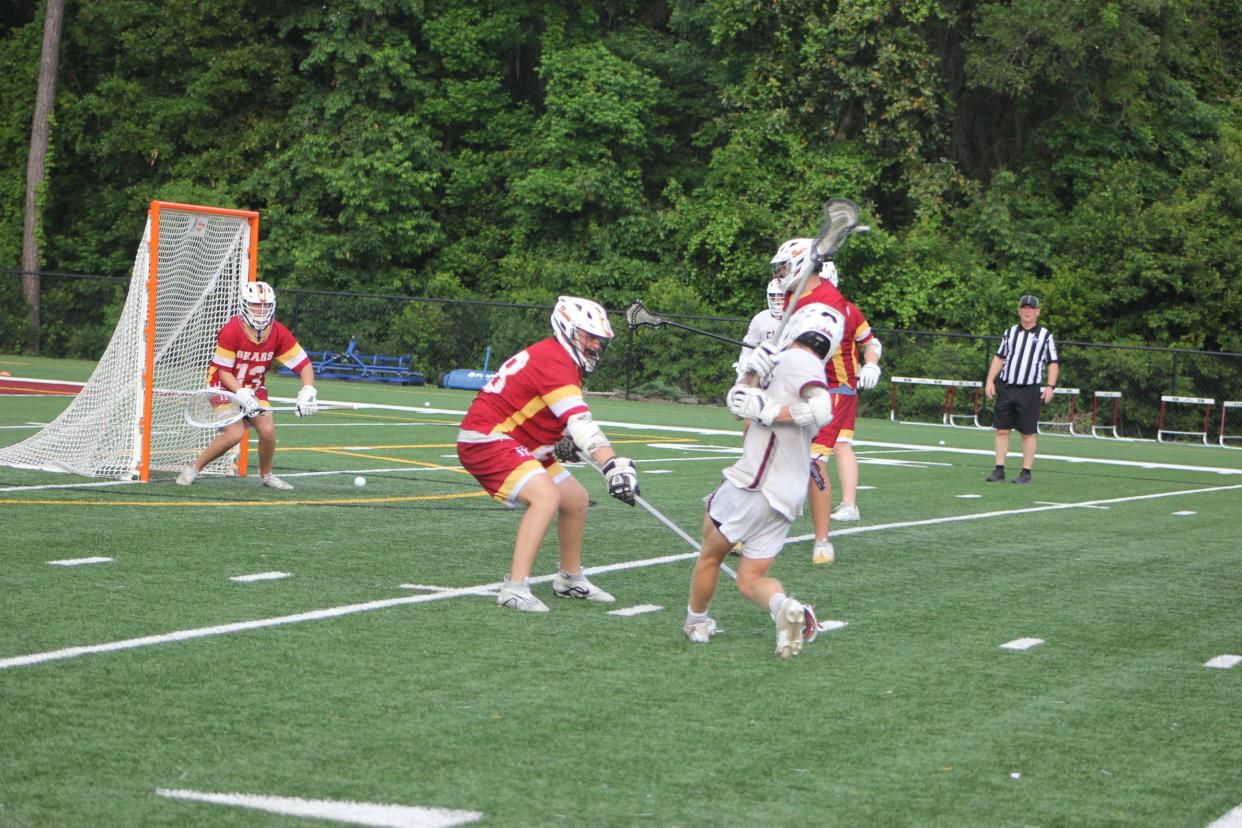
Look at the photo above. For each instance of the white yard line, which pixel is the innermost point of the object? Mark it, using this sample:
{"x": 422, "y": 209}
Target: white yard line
{"x": 369, "y": 606}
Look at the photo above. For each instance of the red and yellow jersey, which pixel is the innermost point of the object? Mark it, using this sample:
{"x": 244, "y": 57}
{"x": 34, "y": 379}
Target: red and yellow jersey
{"x": 529, "y": 400}
{"x": 842, "y": 369}
{"x": 248, "y": 360}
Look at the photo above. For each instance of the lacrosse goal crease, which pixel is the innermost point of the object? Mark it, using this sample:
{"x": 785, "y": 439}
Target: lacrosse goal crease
{"x": 218, "y": 407}
{"x": 191, "y": 264}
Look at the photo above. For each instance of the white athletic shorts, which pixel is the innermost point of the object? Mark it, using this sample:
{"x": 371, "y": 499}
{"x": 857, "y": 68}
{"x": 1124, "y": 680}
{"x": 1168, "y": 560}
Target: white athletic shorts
{"x": 744, "y": 515}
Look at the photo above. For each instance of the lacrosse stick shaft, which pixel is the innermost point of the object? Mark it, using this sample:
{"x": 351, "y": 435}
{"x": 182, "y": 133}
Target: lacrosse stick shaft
{"x": 722, "y": 338}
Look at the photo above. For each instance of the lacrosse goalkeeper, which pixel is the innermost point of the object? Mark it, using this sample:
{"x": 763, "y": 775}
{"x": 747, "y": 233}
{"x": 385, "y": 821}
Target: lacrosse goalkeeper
{"x": 508, "y": 442}
{"x": 763, "y": 492}
{"x": 245, "y": 348}
{"x": 845, "y": 376}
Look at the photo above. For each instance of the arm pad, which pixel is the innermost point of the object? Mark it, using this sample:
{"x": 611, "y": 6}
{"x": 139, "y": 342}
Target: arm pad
{"x": 585, "y": 433}
{"x": 816, "y": 410}
{"x": 876, "y": 345}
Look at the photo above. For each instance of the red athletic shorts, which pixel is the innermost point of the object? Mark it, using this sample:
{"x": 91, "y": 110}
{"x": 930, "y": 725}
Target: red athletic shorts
{"x": 840, "y": 429}
{"x": 502, "y": 467}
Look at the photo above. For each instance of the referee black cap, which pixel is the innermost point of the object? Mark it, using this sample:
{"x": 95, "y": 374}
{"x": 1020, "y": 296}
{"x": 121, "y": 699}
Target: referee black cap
{"x": 1030, "y": 300}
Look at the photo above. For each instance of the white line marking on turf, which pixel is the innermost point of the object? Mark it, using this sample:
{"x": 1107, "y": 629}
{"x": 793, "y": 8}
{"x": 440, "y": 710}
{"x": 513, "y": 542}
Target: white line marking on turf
{"x": 353, "y": 813}
{"x": 658, "y": 471}
{"x": 259, "y": 576}
{"x": 825, "y": 626}
{"x": 1055, "y": 503}
{"x": 1223, "y": 662}
{"x": 482, "y": 589}
{"x": 1233, "y": 819}
{"x": 1022, "y": 644}
{"x": 968, "y": 496}
{"x": 79, "y": 561}
{"x": 1184, "y": 514}
{"x": 855, "y": 530}
{"x": 636, "y": 610}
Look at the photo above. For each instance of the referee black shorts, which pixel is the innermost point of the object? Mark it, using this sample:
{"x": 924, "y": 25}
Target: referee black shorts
{"x": 1017, "y": 406}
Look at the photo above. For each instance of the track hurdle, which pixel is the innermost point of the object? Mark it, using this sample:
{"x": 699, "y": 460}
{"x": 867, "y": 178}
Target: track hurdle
{"x": 1098, "y": 430}
{"x": 948, "y": 414}
{"x": 1225, "y": 439}
{"x": 1207, "y": 403}
{"x": 1046, "y": 426}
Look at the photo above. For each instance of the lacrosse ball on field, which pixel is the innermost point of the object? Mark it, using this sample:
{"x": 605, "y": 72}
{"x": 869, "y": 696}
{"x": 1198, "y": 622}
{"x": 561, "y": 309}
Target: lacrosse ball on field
{"x": 942, "y": 442}
{"x": 360, "y": 482}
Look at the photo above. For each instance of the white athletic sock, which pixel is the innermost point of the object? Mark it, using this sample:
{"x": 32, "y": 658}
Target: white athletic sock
{"x": 693, "y": 617}
{"x": 774, "y": 604}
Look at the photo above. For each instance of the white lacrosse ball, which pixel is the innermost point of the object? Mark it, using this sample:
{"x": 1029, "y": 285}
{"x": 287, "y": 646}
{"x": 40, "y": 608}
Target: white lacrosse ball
{"x": 942, "y": 442}
{"x": 426, "y": 405}
{"x": 360, "y": 482}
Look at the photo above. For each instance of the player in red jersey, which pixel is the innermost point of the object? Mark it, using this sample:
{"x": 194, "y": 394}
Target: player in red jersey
{"x": 508, "y": 438}
{"x": 845, "y": 375}
{"x": 245, "y": 348}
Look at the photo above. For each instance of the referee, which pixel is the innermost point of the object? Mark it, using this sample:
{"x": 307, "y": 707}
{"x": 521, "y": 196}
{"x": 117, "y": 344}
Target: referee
{"x": 1019, "y": 363}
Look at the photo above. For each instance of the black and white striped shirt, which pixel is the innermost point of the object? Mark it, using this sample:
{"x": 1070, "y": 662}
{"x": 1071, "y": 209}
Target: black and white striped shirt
{"x": 1025, "y": 354}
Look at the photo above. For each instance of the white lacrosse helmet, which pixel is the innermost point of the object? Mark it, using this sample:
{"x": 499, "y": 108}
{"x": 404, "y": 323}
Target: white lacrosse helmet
{"x": 573, "y": 316}
{"x": 789, "y": 260}
{"x": 776, "y": 298}
{"x": 818, "y": 326}
{"x": 828, "y": 272}
{"x": 258, "y": 305}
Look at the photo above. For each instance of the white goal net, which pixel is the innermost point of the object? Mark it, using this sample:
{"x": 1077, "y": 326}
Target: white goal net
{"x": 127, "y": 420}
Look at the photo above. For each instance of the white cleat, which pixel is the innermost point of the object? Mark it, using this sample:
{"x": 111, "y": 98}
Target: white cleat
{"x": 274, "y": 482}
{"x": 790, "y": 623}
{"x": 846, "y": 512}
{"x": 188, "y": 475}
{"x": 577, "y": 586}
{"x": 517, "y": 595}
{"x": 700, "y": 632}
{"x": 824, "y": 553}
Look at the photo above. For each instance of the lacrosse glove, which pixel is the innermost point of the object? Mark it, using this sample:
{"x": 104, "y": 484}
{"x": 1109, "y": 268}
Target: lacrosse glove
{"x": 308, "y": 402}
{"x": 622, "y": 479}
{"x": 761, "y": 361}
{"x": 566, "y": 450}
{"x": 869, "y": 375}
{"x": 249, "y": 403}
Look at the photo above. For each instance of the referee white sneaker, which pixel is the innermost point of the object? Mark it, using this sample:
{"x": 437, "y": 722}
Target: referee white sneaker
{"x": 824, "y": 553}
{"x": 577, "y": 586}
{"x": 846, "y": 512}
{"x": 790, "y": 622}
{"x": 517, "y": 595}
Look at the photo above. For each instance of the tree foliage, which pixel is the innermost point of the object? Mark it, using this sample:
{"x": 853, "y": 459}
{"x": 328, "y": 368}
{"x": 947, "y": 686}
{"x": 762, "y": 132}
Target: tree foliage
{"x": 517, "y": 149}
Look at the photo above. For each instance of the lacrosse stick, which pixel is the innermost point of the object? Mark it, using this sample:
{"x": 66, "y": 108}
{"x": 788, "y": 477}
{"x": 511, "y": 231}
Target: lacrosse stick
{"x": 840, "y": 222}
{"x": 637, "y": 314}
{"x": 677, "y": 530}
{"x": 217, "y": 408}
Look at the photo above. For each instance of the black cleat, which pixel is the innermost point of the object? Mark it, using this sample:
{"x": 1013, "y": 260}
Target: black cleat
{"x": 997, "y": 476}
{"x": 1024, "y": 476}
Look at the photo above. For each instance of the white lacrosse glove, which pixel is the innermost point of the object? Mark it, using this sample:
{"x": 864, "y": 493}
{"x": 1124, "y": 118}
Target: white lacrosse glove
{"x": 749, "y": 403}
{"x": 308, "y": 402}
{"x": 249, "y": 403}
{"x": 622, "y": 479}
{"x": 761, "y": 361}
{"x": 869, "y": 375}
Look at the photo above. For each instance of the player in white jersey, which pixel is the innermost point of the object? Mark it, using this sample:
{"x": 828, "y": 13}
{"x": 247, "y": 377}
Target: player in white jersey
{"x": 764, "y": 324}
{"x": 763, "y": 492}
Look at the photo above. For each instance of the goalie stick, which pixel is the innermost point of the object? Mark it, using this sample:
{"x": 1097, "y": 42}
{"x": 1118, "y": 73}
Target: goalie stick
{"x": 218, "y": 407}
{"x": 637, "y": 315}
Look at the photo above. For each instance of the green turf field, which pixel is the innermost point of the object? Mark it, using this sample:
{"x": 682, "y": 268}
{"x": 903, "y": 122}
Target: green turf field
{"x": 377, "y": 668}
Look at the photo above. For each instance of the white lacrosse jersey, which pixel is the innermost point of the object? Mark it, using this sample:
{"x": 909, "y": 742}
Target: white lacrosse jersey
{"x": 762, "y": 328}
{"x": 774, "y": 458}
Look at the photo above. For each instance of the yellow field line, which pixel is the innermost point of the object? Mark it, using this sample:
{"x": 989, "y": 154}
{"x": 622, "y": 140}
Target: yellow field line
{"x": 191, "y": 503}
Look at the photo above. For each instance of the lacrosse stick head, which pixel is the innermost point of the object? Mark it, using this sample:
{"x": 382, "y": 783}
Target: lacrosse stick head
{"x": 637, "y": 314}
{"x": 840, "y": 221}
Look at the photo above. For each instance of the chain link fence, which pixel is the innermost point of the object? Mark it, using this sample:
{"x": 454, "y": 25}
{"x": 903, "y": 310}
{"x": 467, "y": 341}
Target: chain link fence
{"x": 440, "y": 335}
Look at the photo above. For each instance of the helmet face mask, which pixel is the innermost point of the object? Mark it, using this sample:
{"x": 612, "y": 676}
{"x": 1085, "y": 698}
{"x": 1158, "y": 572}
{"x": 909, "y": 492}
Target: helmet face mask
{"x": 581, "y": 326}
{"x": 791, "y": 257}
{"x": 258, "y": 305}
{"x": 776, "y": 298}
